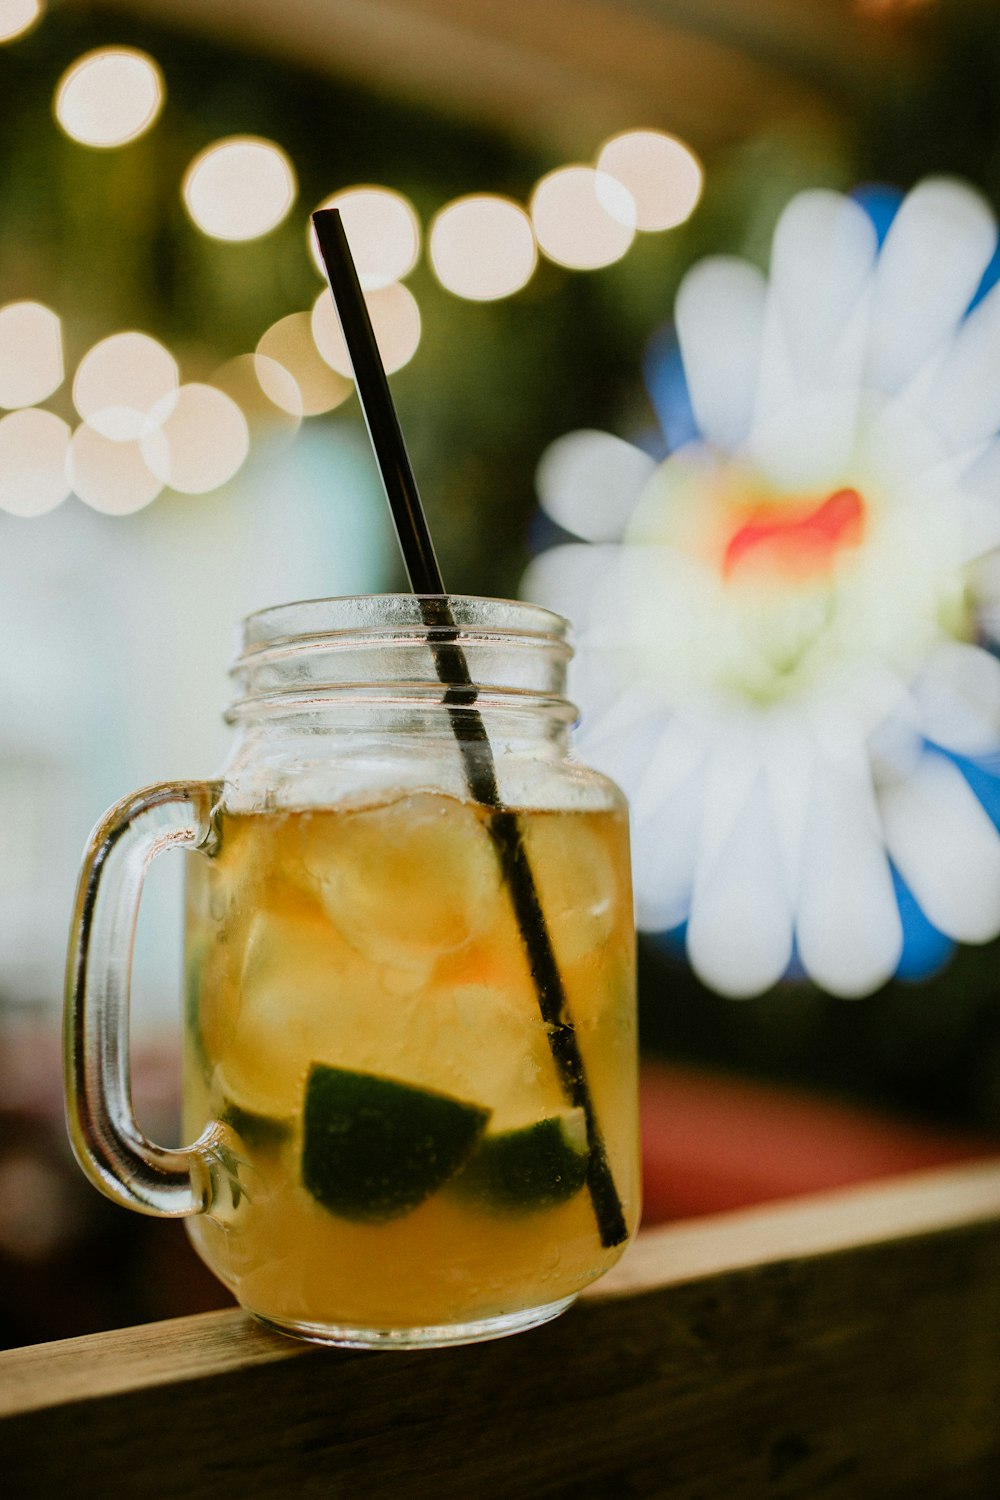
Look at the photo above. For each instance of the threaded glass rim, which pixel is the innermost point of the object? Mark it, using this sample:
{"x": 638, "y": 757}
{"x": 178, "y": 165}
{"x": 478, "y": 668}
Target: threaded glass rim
{"x": 390, "y": 646}
{"x": 285, "y": 626}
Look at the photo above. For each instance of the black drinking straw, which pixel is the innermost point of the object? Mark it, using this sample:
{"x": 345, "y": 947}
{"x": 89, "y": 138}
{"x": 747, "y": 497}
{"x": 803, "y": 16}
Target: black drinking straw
{"x": 459, "y": 697}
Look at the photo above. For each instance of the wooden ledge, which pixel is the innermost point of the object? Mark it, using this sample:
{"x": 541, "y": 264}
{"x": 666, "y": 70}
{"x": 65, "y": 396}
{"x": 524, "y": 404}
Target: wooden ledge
{"x": 843, "y": 1345}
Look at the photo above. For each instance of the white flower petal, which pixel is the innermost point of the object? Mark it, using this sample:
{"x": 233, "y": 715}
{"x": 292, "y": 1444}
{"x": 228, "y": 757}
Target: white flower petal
{"x": 963, "y": 399}
{"x": 589, "y": 482}
{"x": 665, "y": 838}
{"x": 946, "y": 849}
{"x": 719, "y": 315}
{"x": 847, "y": 922}
{"x": 735, "y": 775}
{"x": 982, "y": 473}
{"x": 957, "y": 697}
{"x": 980, "y": 526}
{"x": 620, "y": 731}
{"x": 841, "y": 715}
{"x": 937, "y": 248}
{"x": 807, "y": 442}
{"x": 671, "y": 759}
{"x": 896, "y": 446}
{"x": 805, "y": 421}
{"x": 564, "y": 578}
{"x": 755, "y": 820}
{"x": 979, "y": 504}
{"x": 821, "y": 263}
{"x": 788, "y": 755}
{"x": 896, "y": 745}
{"x": 739, "y": 936}
{"x": 649, "y": 615}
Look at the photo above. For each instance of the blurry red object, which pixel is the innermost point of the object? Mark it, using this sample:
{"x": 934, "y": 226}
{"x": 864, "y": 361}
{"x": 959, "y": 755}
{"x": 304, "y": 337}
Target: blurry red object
{"x": 712, "y": 1143}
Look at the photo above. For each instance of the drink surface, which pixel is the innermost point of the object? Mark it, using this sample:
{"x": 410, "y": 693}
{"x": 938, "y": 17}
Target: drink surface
{"x": 398, "y": 1151}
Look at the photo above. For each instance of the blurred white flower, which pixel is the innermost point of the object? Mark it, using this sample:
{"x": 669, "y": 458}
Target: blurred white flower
{"x": 782, "y": 628}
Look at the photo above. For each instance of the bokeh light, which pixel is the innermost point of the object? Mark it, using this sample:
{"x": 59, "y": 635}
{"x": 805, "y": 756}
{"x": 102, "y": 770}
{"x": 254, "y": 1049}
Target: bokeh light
{"x": 239, "y": 379}
{"x": 239, "y": 188}
{"x": 395, "y": 321}
{"x": 200, "y": 440}
{"x": 31, "y": 357}
{"x": 293, "y": 374}
{"x": 382, "y": 229}
{"x": 120, "y": 381}
{"x": 483, "y": 247}
{"x": 112, "y": 477}
{"x": 663, "y": 176}
{"x": 17, "y": 17}
{"x": 583, "y": 219}
{"x": 109, "y": 97}
{"x": 33, "y": 449}
{"x": 277, "y": 388}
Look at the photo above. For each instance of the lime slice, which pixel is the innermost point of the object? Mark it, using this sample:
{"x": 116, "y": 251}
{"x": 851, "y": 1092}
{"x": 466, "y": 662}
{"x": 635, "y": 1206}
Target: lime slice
{"x": 373, "y": 1148}
{"x": 534, "y": 1167}
{"x": 262, "y": 1132}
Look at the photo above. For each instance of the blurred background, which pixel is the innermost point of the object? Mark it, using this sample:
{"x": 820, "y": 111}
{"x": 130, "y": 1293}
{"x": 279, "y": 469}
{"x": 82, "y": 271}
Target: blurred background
{"x": 525, "y": 188}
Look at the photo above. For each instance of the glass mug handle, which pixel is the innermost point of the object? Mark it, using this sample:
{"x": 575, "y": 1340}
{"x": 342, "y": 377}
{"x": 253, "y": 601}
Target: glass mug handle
{"x": 107, "y": 1141}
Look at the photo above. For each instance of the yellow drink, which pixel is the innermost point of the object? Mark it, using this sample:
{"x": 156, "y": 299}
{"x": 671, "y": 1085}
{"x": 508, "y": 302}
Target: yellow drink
{"x": 397, "y": 1151}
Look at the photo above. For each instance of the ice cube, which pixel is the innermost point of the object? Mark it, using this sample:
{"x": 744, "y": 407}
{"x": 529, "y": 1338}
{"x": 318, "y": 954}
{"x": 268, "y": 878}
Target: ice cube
{"x": 305, "y": 996}
{"x": 481, "y": 1043}
{"x": 408, "y": 881}
{"x": 224, "y": 887}
{"x": 578, "y": 880}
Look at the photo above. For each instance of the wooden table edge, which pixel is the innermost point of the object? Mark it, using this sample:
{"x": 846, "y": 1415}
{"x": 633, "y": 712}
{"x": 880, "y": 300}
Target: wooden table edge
{"x": 44, "y": 1376}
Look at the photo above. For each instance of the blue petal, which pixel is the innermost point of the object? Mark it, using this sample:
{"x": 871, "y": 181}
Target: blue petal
{"x": 983, "y": 777}
{"x": 926, "y": 949}
{"x": 544, "y": 533}
{"x": 673, "y": 941}
{"x": 652, "y": 442}
{"x": 990, "y": 278}
{"x": 796, "y": 971}
{"x": 667, "y": 385}
{"x": 880, "y": 202}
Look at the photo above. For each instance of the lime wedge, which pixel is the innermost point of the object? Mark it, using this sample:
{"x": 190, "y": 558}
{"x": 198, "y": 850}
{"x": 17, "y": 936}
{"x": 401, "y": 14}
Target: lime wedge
{"x": 262, "y": 1132}
{"x": 373, "y": 1148}
{"x": 536, "y": 1166}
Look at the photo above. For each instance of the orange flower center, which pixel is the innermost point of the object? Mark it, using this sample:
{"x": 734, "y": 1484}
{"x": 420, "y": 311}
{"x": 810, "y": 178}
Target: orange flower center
{"x": 798, "y": 540}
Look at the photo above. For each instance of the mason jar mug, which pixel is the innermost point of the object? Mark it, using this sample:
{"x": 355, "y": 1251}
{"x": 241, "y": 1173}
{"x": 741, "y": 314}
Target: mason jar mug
{"x": 410, "y": 1047}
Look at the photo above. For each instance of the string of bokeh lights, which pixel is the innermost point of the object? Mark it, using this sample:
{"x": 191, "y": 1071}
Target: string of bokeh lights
{"x": 141, "y": 429}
